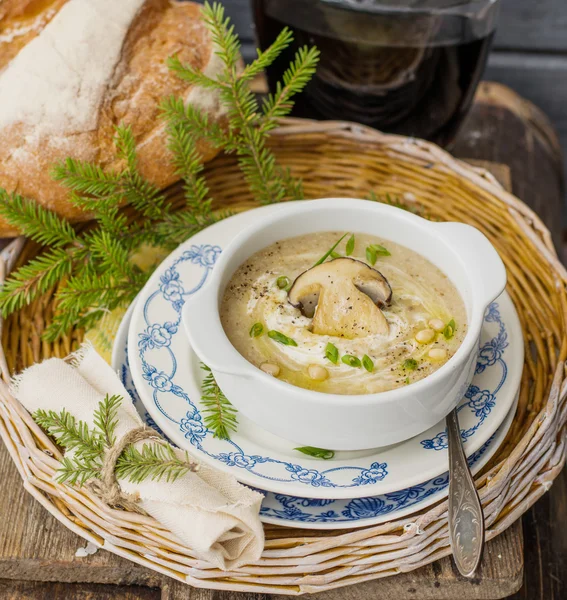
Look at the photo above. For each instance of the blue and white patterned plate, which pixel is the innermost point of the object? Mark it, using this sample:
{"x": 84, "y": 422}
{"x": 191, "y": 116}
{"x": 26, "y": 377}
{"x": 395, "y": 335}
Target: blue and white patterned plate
{"x": 167, "y": 376}
{"x": 295, "y": 511}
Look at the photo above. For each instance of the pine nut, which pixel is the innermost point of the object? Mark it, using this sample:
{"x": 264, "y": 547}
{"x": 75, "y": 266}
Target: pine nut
{"x": 437, "y": 354}
{"x": 270, "y": 369}
{"x": 436, "y": 324}
{"x": 425, "y": 336}
{"x": 317, "y": 373}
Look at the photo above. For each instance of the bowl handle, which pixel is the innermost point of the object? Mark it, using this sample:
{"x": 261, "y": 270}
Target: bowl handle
{"x": 202, "y": 325}
{"x": 482, "y": 260}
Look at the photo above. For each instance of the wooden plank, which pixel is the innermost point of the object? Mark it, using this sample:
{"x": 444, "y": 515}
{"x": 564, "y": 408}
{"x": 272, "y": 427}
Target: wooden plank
{"x": 29, "y": 590}
{"x": 546, "y": 546}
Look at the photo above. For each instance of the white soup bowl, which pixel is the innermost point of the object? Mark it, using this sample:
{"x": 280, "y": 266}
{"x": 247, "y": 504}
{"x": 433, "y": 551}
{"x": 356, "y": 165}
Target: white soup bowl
{"x": 336, "y": 421}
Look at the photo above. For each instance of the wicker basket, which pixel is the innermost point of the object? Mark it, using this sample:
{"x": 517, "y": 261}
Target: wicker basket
{"x": 340, "y": 159}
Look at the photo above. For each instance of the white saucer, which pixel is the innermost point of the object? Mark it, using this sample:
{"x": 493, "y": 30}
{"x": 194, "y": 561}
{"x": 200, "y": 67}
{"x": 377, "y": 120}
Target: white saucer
{"x": 295, "y": 511}
{"x": 167, "y": 376}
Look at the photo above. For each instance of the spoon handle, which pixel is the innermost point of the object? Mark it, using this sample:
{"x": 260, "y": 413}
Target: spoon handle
{"x": 466, "y": 519}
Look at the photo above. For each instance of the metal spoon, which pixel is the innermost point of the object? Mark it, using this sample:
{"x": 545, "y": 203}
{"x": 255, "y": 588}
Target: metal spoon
{"x": 466, "y": 519}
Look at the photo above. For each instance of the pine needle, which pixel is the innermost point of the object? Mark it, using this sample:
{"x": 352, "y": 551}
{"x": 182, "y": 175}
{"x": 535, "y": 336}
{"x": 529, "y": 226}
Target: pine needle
{"x": 220, "y": 415}
{"x": 155, "y": 461}
{"x": 70, "y": 433}
{"x": 34, "y": 278}
{"x": 35, "y": 222}
{"x": 106, "y": 418}
{"x": 86, "y": 178}
{"x": 295, "y": 78}
{"x": 74, "y": 471}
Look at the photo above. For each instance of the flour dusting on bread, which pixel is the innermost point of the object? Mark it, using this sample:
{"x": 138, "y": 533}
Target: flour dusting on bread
{"x": 54, "y": 83}
{"x": 22, "y": 29}
{"x": 75, "y": 69}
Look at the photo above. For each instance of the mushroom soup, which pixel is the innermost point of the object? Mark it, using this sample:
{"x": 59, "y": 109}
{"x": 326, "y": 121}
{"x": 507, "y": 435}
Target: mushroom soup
{"x": 362, "y": 316}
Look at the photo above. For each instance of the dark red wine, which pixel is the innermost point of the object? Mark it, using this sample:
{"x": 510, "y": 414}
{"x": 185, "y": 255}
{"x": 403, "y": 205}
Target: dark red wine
{"x": 400, "y": 74}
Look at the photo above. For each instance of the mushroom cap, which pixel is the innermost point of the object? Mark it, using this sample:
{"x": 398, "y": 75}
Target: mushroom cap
{"x": 343, "y": 296}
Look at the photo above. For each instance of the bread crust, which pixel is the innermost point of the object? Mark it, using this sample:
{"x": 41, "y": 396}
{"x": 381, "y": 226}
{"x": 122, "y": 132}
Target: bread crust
{"x": 140, "y": 80}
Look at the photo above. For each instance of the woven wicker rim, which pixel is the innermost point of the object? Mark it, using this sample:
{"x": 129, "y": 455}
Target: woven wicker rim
{"x": 340, "y": 159}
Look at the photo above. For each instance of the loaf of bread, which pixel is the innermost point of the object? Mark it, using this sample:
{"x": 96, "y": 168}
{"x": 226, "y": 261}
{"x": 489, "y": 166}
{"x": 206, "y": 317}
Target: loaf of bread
{"x": 71, "y": 70}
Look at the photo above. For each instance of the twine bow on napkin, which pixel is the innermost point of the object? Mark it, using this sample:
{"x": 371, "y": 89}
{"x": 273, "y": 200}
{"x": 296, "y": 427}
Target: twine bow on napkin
{"x": 209, "y": 511}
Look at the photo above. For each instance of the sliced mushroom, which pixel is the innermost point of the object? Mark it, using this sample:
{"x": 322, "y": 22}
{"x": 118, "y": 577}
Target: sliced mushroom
{"x": 344, "y": 297}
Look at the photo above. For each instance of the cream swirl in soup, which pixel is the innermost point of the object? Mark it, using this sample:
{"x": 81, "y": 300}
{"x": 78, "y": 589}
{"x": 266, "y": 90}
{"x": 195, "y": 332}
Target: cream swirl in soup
{"x": 378, "y": 319}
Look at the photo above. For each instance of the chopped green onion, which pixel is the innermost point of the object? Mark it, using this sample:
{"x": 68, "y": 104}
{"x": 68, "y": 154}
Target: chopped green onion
{"x": 350, "y": 245}
{"x": 283, "y": 282}
{"x": 410, "y": 364}
{"x": 374, "y": 251}
{"x": 316, "y": 452}
{"x": 332, "y": 353}
{"x": 351, "y": 361}
{"x": 449, "y": 330}
{"x": 330, "y": 251}
{"x": 279, "y": 337}
{"x": 381, "y": 250}
{"x": 368, "y": 363}
{"x": 371, "y": 255}
{"x": 334, "y": 255}
{"x": 256, "y": 330}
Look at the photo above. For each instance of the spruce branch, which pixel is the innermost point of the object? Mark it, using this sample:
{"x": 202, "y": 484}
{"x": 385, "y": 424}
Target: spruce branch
{"x": 266, "y": 58}
{"x": 111, "y": 255}
{"x": 126, "y": 146}
{"x": 137, "y": 191}
{"x": 106, "y": 418}
{"x": 86, "y": 178}
{"x": 191, "y": 75}
{"x": 193, "y": 121}
{"x": 223, "y": 36}
{"x": 182, "y": 225}
{"x": 34, "y": 278}
{"x": 92, "y": 290}
{"x": 70, "y": 433}
{"x": 220, "y": 415}
{"x": 189, "y": 167}
{"x": 76, "y": 471}
{"x": 295, "y": 78}
{"x": 155, "y": 461}
{"x": 34, "y": 221}
{"x": 106, "y": 210}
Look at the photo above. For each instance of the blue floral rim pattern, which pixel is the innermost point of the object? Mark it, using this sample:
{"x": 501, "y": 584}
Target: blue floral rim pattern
{"x": 162, "y": 316}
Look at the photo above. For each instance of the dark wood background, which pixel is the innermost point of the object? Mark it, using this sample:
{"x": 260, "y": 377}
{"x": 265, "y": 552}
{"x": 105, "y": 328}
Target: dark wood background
{"x": 530, "y": 52}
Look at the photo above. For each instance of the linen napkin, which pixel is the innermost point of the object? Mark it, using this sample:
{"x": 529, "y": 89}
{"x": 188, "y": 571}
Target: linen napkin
{"x": 209, "y": 511}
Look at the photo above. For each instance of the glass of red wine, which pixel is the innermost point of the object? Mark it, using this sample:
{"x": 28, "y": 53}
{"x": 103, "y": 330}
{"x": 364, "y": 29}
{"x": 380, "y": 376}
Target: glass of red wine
{"x": 402, "y": 66}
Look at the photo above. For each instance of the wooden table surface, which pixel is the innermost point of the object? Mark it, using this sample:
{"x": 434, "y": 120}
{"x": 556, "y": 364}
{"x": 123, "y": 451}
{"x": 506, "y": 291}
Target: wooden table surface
{"x": 37, "y": 554}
